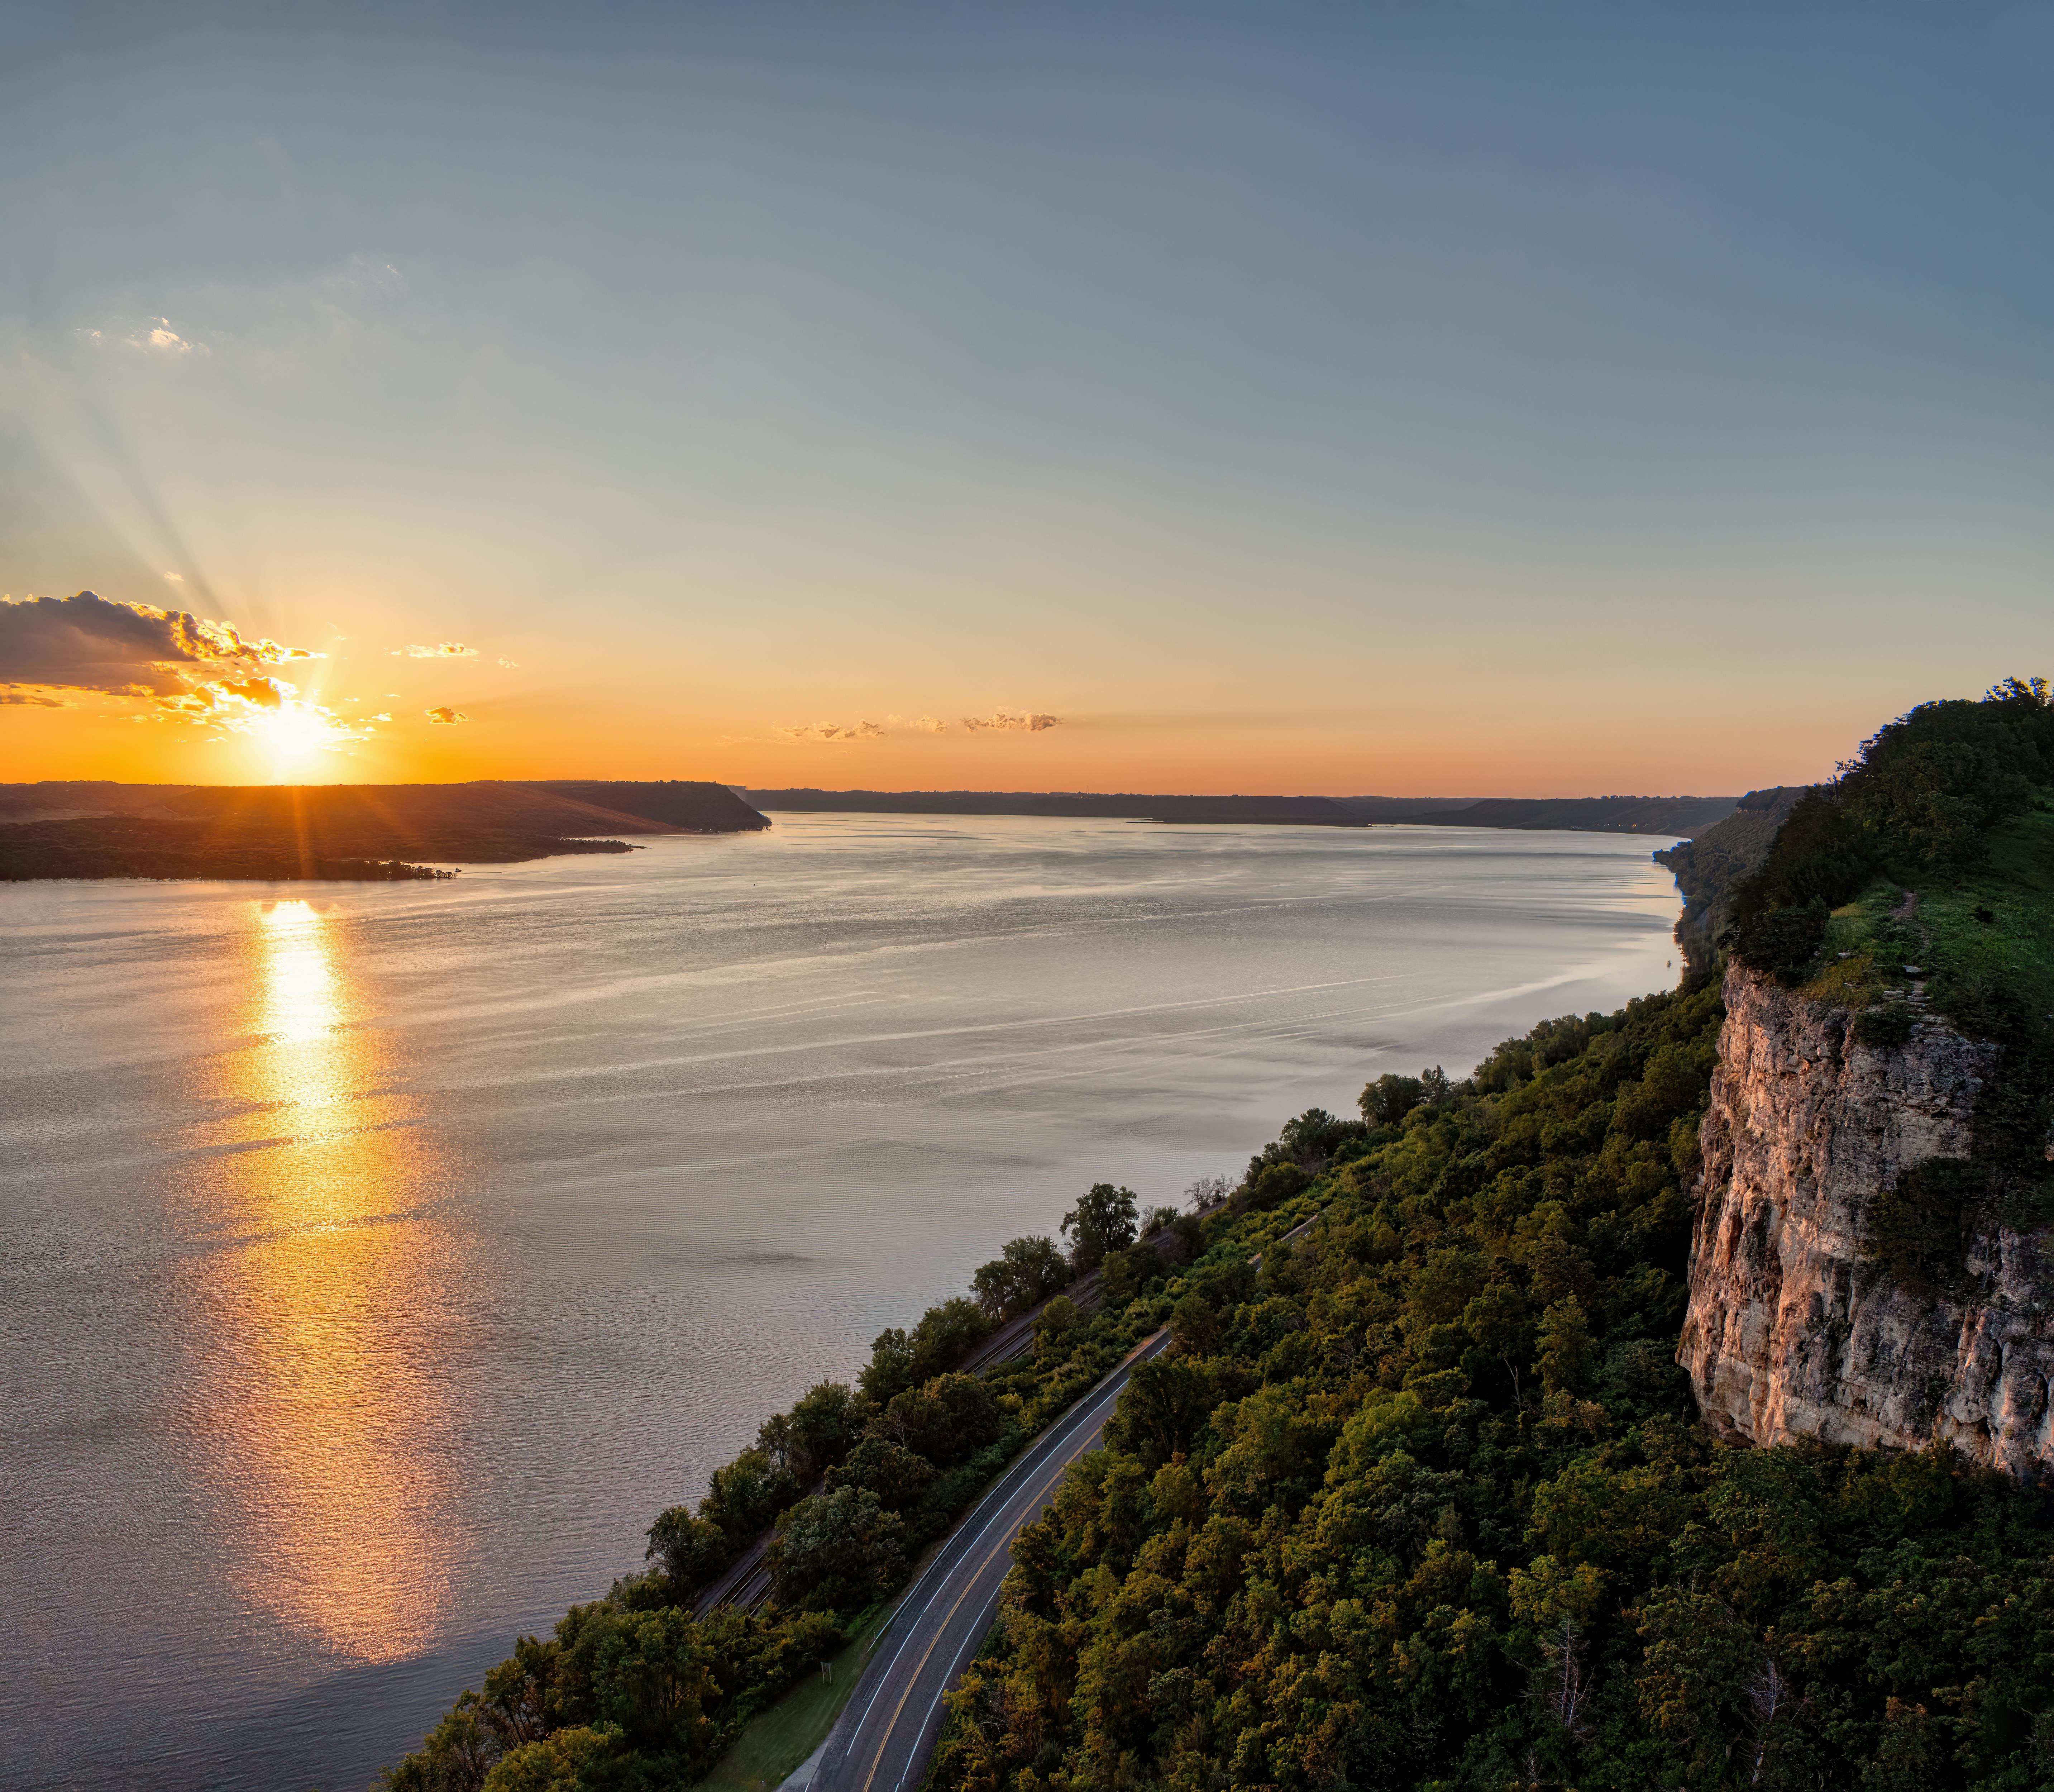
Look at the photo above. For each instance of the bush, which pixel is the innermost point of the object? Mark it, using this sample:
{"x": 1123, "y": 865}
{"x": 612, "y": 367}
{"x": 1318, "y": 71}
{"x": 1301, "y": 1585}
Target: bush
{"x": 1783, "y": 942}
{"x": 1918, "y": 1228}
{"x": 1884, "y": 1026}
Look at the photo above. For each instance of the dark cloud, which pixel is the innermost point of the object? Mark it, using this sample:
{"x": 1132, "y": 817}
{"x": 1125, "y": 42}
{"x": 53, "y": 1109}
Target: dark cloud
{"x": 86, "y": 642}
{"x": 442, "y": 713}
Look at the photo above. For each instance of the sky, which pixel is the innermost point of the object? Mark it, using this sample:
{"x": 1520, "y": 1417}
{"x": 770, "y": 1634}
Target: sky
{"x": 1399, "y": 398}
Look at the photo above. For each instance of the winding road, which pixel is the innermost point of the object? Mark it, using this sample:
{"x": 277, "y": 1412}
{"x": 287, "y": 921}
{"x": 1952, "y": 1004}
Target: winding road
{"x": 882, "y": 1740}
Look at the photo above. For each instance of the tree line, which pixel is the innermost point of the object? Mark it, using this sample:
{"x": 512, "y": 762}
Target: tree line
{"x": 637, "y": 1691}
{"x": 1422, "y": 1500}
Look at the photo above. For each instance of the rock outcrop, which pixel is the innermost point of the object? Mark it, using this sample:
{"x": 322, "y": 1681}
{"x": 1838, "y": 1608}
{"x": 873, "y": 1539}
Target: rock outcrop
{"x": 1790, "y": 1330}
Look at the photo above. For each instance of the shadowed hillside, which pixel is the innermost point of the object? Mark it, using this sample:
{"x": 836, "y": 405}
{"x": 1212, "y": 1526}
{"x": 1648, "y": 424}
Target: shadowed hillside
{"x": 363, "y": 831}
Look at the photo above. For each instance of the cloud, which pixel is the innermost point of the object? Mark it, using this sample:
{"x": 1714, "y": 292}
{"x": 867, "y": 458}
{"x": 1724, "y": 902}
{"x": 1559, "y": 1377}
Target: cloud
{"x": 41, "y": 700}
{"x": 833, "y": 731}
{"x": 154, "y": 335}
{"x": 509, "y": 664}
{"x": 441, "y": 650}
{"x": 931, "y": 725}
{"x": 86, "y": 642}
{"x": 442, "y": 713}
{"x": 176, "y": 578}
{"x": 268, "y": 708}
{"x": 1027, "y": 722}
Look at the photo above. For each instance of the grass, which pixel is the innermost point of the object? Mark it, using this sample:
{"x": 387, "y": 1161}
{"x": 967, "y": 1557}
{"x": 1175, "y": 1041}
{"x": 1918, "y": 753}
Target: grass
{"x": 1945, "y": 936}
{"x": 776, "y": 1741}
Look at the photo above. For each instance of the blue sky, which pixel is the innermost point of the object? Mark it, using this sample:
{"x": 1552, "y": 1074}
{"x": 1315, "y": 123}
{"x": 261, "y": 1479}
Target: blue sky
{"x": 1450, "y": 399}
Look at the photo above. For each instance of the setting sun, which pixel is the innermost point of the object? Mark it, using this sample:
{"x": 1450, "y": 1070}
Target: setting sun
{"x": 294, "y": 732}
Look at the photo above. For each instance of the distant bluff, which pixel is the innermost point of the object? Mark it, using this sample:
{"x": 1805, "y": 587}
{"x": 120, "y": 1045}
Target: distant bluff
{"x": 691, "y": 804}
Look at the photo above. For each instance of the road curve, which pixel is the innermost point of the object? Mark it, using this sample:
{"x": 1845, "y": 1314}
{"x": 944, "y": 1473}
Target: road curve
{"x": 882, "y": 1741}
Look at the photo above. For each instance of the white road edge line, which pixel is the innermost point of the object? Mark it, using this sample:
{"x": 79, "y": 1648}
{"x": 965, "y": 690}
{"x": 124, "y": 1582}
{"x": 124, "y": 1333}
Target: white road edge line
{"x": 1049, "y": 1442}
{"x": 978, "y": 1636}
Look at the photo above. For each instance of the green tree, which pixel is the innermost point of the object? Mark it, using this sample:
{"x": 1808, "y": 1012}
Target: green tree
{"x": 1568, "y": 1355}
{"x": 743, "y": 1496}
{"x": 1024, "y": 1274}
{"x": 894, "y": 1473}
{"x": 1161, "y": 1411}
{"x": 890, "y": 1369}
{"x": 837, "y": 1552}
{"x": 1053, "y": 1331}
{"x": 1102, "y": 1221}
{"x": 826, "y": 1421}
{"x": 950, "y": 1418}
{"x": 572, "y": 1760}
{"x": 1389, "y": 1099}
{"x": 687, "y": 1551}
{"x": 946, "y": 1335}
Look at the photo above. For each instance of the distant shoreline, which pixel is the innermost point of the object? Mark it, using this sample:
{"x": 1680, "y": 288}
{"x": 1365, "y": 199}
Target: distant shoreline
{"x": 1671, "y": 817}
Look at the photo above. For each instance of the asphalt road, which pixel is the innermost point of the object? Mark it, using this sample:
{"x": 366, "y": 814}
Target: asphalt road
{"x": 883, "y": 1739}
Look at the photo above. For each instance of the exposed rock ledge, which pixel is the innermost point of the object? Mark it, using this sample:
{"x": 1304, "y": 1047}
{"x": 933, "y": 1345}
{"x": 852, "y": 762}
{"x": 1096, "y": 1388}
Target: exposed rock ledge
{"x": 1789, "y": 1332}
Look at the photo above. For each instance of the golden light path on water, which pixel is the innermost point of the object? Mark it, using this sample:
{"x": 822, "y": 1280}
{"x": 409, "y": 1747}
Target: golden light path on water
{"x": 378, "y": 1260}
{"x": 330, "y": 1265}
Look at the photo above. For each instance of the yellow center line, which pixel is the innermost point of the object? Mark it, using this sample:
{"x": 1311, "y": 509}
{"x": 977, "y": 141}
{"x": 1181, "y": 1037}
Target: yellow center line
{"x": 1004, "y": 1543}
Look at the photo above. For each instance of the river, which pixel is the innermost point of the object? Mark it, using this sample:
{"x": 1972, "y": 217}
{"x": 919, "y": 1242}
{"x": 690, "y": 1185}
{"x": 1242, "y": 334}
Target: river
{"x": 378, "y": 1259}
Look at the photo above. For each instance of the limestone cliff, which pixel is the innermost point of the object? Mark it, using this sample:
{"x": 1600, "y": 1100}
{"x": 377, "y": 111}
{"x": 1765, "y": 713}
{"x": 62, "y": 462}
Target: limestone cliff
{"x": 1789, "y": 1330}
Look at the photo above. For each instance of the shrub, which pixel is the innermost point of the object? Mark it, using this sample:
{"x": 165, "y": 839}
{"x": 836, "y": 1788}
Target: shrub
{"x": 1917, "y": 1227}
{"x": 1783, "y": 941}
{"x": 1884, "y": 1026}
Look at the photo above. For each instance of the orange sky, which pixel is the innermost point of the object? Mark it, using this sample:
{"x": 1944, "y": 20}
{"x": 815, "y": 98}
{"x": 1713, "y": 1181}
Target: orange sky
{"x": 1581, "y": 739}
{"x": 1355, "y": 403}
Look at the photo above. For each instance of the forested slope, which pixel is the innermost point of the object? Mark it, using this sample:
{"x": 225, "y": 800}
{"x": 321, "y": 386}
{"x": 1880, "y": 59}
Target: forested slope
{"x": 1423, "y": 1502}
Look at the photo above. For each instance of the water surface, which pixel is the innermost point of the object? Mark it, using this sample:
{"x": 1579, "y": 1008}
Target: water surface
{"x": 378, "y": 1259}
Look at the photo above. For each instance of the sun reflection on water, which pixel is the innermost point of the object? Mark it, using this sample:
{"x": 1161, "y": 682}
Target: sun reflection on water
{"x": 326, "y": 1302}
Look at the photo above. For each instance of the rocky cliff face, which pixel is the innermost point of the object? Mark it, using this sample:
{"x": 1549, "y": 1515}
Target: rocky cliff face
{"x": 1789, "y": 1330}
